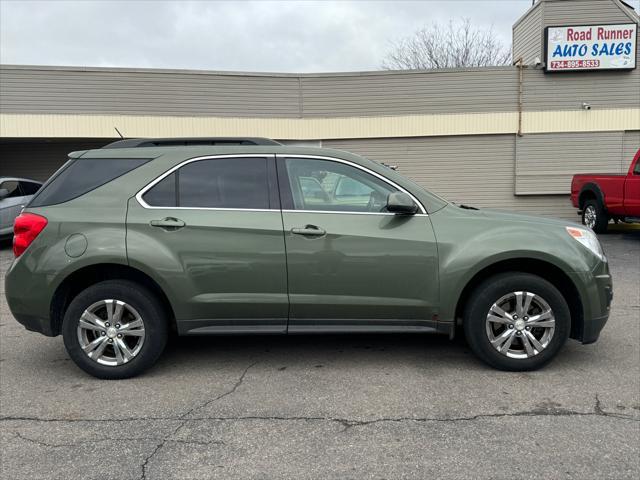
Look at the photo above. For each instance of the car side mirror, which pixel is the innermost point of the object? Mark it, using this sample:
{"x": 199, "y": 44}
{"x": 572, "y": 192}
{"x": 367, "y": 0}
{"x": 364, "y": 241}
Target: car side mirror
{"x": 401, "y": 203}
{"x": 4, "y": 193}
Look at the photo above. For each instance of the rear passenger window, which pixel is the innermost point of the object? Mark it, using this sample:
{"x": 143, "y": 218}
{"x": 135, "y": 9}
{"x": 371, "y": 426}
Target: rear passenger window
{"x": 215, "y": 183}
{"x": 81, "y": 176}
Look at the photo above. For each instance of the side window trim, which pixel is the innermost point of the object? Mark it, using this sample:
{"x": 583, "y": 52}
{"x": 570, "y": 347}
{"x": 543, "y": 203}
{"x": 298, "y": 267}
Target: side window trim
{"x": 270, "y": 157}
{"x": 287, "y": 199}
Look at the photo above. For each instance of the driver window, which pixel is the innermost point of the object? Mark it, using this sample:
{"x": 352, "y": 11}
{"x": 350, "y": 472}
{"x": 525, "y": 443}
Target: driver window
{"x": 333, "y": 186}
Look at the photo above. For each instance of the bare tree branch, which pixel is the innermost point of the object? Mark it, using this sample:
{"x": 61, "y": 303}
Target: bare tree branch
{"x": 458, "y": 44}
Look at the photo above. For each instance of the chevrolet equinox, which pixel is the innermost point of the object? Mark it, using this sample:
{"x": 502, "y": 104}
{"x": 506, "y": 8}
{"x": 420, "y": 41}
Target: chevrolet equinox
{"x": 127, "y": 243}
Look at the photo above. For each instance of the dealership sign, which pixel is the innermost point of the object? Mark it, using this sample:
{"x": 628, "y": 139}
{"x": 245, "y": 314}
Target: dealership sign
{"x": 590, "y": 47}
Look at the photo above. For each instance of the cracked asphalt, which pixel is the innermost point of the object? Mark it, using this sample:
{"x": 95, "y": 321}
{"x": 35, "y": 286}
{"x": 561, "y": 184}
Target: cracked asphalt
{"x": 306, "y": 407}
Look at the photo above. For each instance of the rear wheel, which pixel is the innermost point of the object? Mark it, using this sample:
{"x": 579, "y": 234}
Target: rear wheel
{"x": 115, "y": 329}
{"x": 594, "y": 216}
{"x": 516, "y": 321}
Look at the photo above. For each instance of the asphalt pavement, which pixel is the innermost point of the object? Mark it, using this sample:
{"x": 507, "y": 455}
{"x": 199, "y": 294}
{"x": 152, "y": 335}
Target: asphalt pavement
{"x": 307, "y": 407}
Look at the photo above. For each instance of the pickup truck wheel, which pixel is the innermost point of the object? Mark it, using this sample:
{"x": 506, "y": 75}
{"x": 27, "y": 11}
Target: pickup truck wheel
{"x": 516, "y": 321}
{"x": 115, "y": 329}
{"x": 594, "y": 216}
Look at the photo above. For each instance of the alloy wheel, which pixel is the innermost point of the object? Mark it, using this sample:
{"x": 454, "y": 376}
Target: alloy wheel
{"x": 590, "y": 216}
{"x": 520, "y": 325}
{"x": 111, "y": 332}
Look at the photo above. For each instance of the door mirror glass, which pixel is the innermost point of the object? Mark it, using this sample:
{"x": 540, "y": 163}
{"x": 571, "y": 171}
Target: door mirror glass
{"x": 401, "y": 203}
{"x": 4, "y": 193}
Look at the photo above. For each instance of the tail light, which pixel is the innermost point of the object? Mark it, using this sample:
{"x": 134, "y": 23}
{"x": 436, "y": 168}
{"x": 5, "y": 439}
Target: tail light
{"x": 26, "y": 228}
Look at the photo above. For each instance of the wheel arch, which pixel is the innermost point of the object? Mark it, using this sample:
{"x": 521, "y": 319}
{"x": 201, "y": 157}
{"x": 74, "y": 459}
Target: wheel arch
{"x": 89, "y": 275}
{"x": 591, "y": 191}
{"x": 544, "y": 269}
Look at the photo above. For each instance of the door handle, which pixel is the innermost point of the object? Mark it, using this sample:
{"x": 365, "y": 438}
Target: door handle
{"x": 168, "y": 223}
{"x": 309, "y": 231}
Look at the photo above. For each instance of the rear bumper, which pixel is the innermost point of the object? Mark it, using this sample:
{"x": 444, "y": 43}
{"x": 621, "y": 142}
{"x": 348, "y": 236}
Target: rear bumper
{"x": 28, "y": 299}
{"x": 35, "y": 324}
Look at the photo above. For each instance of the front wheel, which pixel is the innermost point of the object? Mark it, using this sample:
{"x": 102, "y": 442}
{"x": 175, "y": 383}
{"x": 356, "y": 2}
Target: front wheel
{"x": 115, "y": 329}
{"x": 594, "y": 216}
{"x": 516, "y": 321}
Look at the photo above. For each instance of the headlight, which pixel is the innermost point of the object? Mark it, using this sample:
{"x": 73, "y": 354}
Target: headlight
{"x": 588, "y": 239}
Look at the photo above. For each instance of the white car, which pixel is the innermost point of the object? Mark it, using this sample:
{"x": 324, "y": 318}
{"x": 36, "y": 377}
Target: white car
{"x": 14, "y": 195}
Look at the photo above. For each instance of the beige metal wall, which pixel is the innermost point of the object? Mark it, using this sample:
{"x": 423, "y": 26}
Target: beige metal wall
{"x": 146, "y": 92}
{"x": 198, "y": 94}
{"x": 49, "y": 90}
{"x": 407, "y": 93}
{"x": 576, "y": 12}
{"x": 545, "y": 163}
{"x": 630, "y": 146}
{"x": 567, "y": 91}
{"x": 527, "y": 36}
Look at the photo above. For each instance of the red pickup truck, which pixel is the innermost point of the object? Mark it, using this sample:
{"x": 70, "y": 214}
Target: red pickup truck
{"x": 602, "y": 197}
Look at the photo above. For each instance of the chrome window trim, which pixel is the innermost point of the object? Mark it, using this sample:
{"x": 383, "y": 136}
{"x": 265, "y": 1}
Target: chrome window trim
{"x": 150, "y": 185}
{"x": 423, "y": 211}
{"x": 343, "y": 212}
{"x": 158, "y": 179}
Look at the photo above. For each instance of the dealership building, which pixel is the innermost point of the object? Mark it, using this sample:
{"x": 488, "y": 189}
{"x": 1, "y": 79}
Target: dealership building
{"x": 502, "y": 137}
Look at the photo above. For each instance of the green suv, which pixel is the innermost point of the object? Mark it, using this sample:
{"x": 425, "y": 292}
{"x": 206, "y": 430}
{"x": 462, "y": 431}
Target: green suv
{"x": 234, "y": 236}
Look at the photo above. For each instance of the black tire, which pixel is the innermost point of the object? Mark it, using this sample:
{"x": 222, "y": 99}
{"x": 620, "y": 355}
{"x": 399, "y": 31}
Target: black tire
{"x": 149, "y": 309}
{"x": 492, "y": 289}
{"x": 601, "y": 217}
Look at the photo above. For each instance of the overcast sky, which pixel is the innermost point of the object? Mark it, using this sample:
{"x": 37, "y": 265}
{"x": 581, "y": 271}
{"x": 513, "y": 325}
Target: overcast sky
{"x": 285, "y": 36}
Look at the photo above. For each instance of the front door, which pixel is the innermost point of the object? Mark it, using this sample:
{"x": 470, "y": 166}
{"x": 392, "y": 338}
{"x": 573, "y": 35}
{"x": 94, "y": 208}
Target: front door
{"x": 210, "y": 232}
{"x": 352, "y": 265}
{"x": 632, "y": 190}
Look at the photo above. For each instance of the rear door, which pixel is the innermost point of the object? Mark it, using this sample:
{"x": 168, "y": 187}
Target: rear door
{"x": 352, "y": 265}
{"x": 210, "y": 232}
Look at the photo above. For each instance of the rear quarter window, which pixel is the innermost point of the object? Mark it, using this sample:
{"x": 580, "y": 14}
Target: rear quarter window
{"x": 81, "y": 176}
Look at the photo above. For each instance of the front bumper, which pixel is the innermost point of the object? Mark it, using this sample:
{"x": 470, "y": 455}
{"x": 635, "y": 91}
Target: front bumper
{"x": 593, "y": 328}
{"x": 596, "y": 290}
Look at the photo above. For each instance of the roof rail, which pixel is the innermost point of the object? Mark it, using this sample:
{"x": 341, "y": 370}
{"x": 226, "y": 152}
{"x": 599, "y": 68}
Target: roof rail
{"x": 176, "y": 142}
